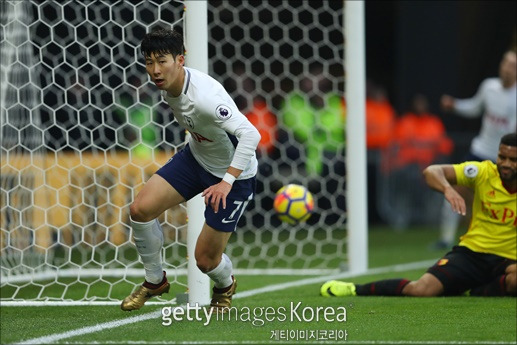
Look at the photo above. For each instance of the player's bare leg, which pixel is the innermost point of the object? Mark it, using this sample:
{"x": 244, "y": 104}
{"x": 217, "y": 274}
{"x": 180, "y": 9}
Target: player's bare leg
{"x": 511, "y": 279}
{"x": 156, "y": 197}
{"x": 428, "y": 285}
{"x": 210, "y": 259}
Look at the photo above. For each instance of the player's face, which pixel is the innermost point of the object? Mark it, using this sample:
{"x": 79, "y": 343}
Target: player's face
{"x": 507, "y": 163}
{"x": 166, "y": 72}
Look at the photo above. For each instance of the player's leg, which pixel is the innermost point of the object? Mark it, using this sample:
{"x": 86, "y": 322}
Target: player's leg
{"x": 427, "y": 285}
{"x": 172, "y": 184}
{"x": 501, "y": 285}
{"x": 386, "y": 287}
{"x": 453, "y": 274}
{"x": 209, "y": 251}
{"x": 211, "y": 243}
{"x": 511, "y": 280}
{"x": 211, "y": 259}
{"x": 155, "y": 198}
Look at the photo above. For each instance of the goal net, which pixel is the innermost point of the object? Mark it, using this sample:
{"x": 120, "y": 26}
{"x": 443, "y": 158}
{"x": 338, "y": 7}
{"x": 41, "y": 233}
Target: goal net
{"x": 82, "y": 129}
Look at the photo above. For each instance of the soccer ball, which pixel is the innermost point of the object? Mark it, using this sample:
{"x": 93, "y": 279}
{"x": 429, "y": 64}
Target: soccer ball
{"x": 293, "y": 204}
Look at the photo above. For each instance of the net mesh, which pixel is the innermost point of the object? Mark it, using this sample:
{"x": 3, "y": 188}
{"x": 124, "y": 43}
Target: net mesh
{"x": 82, "y": 129}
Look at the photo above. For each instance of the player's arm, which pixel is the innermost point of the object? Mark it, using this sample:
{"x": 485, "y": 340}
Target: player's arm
{"x": 248, "y": 139}
{"x": 471, "y": 107}
{"x": 442, "y": 177}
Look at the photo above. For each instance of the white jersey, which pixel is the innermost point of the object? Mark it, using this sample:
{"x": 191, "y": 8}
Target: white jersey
{"x": 220, "y": 135}
{"x": 499, "y": 107}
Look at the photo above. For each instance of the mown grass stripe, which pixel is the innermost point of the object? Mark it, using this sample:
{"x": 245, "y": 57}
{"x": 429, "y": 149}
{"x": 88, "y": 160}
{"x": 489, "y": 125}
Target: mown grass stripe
{"x": 156, "y": 314}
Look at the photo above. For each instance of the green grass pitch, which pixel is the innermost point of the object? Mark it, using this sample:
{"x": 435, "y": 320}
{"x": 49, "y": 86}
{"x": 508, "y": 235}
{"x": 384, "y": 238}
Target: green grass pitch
{"x": 369, "y": 320}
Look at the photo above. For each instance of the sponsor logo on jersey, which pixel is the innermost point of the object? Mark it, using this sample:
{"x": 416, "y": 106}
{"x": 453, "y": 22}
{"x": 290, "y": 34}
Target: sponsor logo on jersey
{"x": 223, "y": 112}
{"x": 199, "y": 138}
{"x": 505, "y": 215}
{"x": 442, "y": 262}
{"x": 471, "y": 171}
{"x": 491, "y": 194}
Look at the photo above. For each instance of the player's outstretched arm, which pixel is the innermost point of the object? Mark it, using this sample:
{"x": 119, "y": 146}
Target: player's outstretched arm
{"x": 441, "y": 177}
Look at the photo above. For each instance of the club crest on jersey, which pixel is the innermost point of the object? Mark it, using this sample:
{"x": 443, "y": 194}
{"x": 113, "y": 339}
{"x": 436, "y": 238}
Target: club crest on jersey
{"x": 471, "y": 171}
{"x": 223, "y": 112}
{"x": 189, "y": 121}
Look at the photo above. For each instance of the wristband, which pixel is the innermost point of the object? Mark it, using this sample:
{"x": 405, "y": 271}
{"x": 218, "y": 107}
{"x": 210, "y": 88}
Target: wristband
{"x": 229, "y": 178}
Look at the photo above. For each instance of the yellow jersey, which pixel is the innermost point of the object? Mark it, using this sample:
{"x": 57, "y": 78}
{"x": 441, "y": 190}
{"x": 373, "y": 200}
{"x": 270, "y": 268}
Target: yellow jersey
{"x": 493, "y": 227}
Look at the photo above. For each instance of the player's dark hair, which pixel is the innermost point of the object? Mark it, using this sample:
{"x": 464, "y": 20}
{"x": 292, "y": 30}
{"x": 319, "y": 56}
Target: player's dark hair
{"x": 162, "y": 41}
{"x": 509, "y": 139}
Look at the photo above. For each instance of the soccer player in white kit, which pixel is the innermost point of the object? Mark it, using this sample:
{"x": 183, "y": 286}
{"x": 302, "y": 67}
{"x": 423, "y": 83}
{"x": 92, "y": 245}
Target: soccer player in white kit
{"x": 496, "y": 99}
{"x": 218, "y": 161}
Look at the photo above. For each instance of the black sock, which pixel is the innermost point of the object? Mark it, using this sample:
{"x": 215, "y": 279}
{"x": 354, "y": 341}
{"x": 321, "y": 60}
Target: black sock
{"x": 496, "y": 287}
{"x": 388, "y": 287}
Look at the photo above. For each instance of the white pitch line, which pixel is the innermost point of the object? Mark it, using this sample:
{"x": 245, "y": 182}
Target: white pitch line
{"x": 314, "y": 280}
{"x": 91, "y": 329}
{"x": 156, "y": 314}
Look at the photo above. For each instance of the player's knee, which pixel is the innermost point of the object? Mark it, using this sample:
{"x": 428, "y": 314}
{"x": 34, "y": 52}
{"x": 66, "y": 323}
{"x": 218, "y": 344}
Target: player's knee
{"x": 511, "y": 283}
{"x": 417, "y": 290}
{"x": 139, "y": 213}
{"x": 205, "y": 264}
{"x": 205, "y": 261}
{"x": 511, "y": 269}
{"x": 422, "y": 288}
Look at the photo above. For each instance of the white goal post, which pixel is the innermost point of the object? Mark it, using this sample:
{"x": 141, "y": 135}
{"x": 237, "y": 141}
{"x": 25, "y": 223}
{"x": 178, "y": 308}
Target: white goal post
{"x": 82, "y": 129}
{"x": 196, "y": 42}
{"x": 355, "y": 62}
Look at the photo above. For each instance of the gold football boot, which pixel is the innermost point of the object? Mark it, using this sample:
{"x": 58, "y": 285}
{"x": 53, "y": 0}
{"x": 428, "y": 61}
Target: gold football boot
{"x": 141, "y": 295}
{"x": 222, "y": 301}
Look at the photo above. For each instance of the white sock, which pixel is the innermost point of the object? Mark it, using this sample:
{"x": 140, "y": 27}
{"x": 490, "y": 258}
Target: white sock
{"x": 449, "y": 223}
{"x": 222, "y": 274}
{"x": 149, "y": 242}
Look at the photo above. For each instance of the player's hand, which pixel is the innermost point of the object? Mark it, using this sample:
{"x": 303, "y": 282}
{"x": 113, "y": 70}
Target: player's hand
{"x": 216, "y": 194}
{"x": 456, "y": 200}
{"x": 447, "y": 102}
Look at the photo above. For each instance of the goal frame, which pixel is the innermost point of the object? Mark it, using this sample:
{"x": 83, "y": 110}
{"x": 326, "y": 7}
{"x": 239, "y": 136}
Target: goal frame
{"x": 356, "y": 192}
